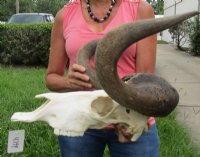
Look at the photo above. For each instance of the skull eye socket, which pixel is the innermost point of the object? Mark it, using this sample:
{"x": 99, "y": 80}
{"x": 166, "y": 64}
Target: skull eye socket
{"x": 128, "y": 111}
{"x": 102, "y": 106}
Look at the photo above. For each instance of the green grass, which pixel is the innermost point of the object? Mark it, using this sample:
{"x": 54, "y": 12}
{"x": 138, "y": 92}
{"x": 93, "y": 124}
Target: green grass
{"x": 18, "y": 86}
{"x": 162, "y": 42}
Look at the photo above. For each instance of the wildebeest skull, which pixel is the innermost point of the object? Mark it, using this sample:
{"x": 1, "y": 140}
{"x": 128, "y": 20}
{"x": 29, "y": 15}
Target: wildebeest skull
{"x": 71, "y": 114}
{"x": 143, "y": 95}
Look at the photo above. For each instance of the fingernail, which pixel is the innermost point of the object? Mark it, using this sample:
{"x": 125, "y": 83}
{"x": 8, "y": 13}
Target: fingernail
{"x": 87, "y": 78}
{"x": 83, "y": 68}
{"x": 90, "y": 86}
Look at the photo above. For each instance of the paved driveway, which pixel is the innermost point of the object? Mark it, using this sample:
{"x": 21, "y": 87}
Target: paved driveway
{"x": 183, "y": 72}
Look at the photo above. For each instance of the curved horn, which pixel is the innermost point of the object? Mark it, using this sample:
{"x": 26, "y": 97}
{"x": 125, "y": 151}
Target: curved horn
{"x": 83, "y": 58}
{"x": 151, "y": 102}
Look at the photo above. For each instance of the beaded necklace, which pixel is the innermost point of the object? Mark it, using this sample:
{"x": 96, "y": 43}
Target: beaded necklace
{"x": 96, "y": 19}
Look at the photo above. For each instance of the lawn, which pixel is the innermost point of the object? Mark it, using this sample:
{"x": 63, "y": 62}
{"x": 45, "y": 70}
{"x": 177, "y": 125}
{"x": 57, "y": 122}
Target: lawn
{"x": 161, "y": 42}
{"x": 18, "y": 86}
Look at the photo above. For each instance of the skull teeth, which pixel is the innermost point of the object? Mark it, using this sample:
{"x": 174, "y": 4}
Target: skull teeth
{"x": 68, "y": 133}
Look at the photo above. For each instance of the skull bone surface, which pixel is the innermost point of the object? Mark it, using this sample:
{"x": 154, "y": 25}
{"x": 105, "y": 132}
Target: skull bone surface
{"x": 71, "y": 114}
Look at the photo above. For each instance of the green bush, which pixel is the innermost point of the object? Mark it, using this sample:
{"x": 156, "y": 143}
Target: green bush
{"x": 25, "y": 44}
{"x": 195, "y": 37}
{"x": 179, "y": 34}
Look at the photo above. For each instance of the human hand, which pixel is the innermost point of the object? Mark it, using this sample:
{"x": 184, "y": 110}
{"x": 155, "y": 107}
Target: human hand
{"x": 126, "y": 134}
{"x": 123, "y": 135}
{"x": 77, "y": 78}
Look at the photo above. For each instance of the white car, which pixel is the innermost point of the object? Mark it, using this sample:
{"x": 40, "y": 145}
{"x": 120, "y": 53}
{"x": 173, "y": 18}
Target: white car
{"x": 2, "y": 22}
{"x": 21, "y": 18}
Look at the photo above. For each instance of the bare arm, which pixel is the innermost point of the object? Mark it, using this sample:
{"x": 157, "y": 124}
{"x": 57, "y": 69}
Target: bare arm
{"x": 55, "y": 76}
{"x": 146, "y": 48}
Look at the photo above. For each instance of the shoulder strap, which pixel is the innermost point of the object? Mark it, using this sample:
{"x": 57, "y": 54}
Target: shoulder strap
{"x": 68, "y": 10}
{"x": 133, "y": 4}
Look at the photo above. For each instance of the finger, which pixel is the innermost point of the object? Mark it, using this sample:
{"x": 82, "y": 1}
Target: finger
{"x": 81, "y": 84}
{"x": 124, "y": 132}
{"x": 78, "y": 68}
{"x": 78, "y": 88}
{"x": 123, "y": 135}
{"x": 79, "y": 76}
{"x": 122, "y": 138}
{"x": 127, "y": 135}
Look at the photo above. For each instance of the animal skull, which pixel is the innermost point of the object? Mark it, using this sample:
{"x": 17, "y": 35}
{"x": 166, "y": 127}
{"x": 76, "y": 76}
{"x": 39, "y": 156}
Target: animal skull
{"x": 145, "y": 95}
{"x": 71, "y": 114}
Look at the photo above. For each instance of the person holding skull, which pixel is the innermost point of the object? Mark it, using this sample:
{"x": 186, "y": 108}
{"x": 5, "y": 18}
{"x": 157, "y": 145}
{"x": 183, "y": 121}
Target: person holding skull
{"x": 77, "y": 23}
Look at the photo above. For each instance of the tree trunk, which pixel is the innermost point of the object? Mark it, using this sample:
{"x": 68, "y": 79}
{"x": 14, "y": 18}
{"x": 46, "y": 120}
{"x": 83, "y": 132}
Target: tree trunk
{"x": 198, "y": 8}
{"x": 17, "y": 6}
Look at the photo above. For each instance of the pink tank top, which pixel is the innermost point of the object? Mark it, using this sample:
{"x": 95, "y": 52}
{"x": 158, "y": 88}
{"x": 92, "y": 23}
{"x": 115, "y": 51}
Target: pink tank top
{"x": 77, "y": 33}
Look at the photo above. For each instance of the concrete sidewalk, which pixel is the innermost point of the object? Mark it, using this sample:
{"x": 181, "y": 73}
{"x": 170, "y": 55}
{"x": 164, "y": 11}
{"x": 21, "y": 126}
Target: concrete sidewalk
{"x": 183, "y": 72}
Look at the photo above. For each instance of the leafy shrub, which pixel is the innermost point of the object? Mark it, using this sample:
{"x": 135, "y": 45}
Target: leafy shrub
{"x": 179, "y": 34}
{"x": 25, "y": 44}
{"x": 195, "y": 37}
